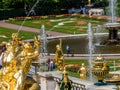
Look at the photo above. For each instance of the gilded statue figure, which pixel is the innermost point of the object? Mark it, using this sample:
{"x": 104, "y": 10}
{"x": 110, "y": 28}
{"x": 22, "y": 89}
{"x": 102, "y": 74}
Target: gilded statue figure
{"x": 100, "y": 57}
{"x": 16, "y": 39}
{"x": 16, "y": 63}
{"x": 8, "y": 55}
{"x": 59, "y": 58}
{"x": 28, "y": 53}
{"x": 12, "y": 49}
{"x": 104, "y": 66}
{"x": 100, "y": 69}
{"x": 65, "y": 83}
{"x": 89, "y": 2}
{"x": 82, "y": 72}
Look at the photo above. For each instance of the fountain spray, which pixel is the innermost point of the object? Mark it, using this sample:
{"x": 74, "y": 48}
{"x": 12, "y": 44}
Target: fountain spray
{"x": 90, "y": 46}
{"x": 43, "y": 38}
{"x": 28, "y": 15}
{"x": 112, "y": 6}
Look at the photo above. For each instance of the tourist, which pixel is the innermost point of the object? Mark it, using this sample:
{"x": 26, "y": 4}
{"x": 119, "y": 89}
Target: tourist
{"x": 51, "y": 65}
{"x": 68, "y": 50}
{"x": 48, "y": 64}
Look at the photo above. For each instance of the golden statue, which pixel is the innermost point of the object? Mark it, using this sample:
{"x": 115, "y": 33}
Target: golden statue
{"x": 82, "y": 72}
{"x": 104, "y": 67}
{"x": 59, "y": 58}
{"x": 16, "y": 40}
{"x": 89, "y": 2}
{"x": 8, "y": 55}
{"x": 100, "y": 69}
{"x": 16, "y": 63}
{"x": 100, "y": 57}
{"x": 65, "y": 83}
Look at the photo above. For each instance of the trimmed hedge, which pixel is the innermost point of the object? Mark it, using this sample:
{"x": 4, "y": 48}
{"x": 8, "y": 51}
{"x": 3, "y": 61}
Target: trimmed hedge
{"x": 10, "y": 13}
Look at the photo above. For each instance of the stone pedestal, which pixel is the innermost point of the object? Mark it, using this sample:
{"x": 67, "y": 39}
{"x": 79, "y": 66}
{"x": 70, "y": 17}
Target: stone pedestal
{"x": 46, "y": 81}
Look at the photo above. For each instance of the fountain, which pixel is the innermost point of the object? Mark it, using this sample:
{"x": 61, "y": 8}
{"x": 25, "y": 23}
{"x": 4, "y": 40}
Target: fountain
{"x": 31, "y": 10}
{"x": 112, "y": 25}
{"x": 90, "y": 46}
{"x": 42, "y": 58}
{"x": 100, "y": 69}
{"x": 105, "y": 44}
{"x": 43, "y": 38}
{"x": 89, "y": 2}
{"x": 90, "y": 49}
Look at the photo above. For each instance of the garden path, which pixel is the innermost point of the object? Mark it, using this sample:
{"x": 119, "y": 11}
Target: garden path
{"x": 86, "y": 56}
{"x": 28, "y": 29}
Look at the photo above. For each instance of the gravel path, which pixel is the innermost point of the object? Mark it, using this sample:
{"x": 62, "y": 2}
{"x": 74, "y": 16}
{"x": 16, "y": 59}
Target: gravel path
{"x": 28, "y": 29}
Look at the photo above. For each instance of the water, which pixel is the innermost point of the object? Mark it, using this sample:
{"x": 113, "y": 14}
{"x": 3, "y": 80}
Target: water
{"x": 114, "y": 65}
{"x": 43, "y": 39}
{"x": 90, "y": 47}
{"x": 43, "y": 53}
{"x": 31, "y": 10}
{"x": 112, "y": 13}
{"x": 20, "y": 28}
{"x": 98, "y": 30}
{"x": 112, "y": 26}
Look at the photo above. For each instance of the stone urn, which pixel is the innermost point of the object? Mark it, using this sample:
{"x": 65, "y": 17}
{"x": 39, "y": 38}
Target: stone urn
{"x": 100, "y": 69}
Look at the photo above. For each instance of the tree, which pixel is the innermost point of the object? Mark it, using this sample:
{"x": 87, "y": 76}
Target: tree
{"x": 4, "y": 4}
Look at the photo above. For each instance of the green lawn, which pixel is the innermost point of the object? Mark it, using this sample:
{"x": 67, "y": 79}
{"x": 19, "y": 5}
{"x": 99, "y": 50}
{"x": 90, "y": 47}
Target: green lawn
{"x": 69, "y": 25}
{"x": 5, "y": 34}
{"x": 79, "y": 62}
{"x": 110, "y": 63}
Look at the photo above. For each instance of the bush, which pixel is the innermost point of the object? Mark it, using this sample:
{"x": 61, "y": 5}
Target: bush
{"x": 11, "y": 13}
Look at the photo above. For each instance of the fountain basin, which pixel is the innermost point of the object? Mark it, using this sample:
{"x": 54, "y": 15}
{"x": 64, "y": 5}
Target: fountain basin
{"x": 79, "y": 44}
{"x": 100, "y": 74}
{"x": 112, "y": 25}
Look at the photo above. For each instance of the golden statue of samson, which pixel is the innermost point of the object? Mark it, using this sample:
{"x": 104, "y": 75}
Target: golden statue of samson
{"x": 16, "y": 63}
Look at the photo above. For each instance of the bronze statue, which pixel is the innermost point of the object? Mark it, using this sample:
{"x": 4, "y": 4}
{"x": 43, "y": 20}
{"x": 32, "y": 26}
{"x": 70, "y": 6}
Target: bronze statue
{"x": 82, "y": 72}
{"x": 16, "y": 63}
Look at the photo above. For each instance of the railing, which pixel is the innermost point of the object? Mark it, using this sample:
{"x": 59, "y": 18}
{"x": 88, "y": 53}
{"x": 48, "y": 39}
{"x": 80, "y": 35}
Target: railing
{"x": 75, "y": 86}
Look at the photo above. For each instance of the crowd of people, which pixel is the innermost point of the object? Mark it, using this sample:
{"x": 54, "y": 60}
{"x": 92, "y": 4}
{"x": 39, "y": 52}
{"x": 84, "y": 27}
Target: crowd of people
{"x": 51, "y": 64}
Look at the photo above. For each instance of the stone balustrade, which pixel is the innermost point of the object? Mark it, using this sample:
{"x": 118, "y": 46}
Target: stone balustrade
{"x": 48, "y": 81}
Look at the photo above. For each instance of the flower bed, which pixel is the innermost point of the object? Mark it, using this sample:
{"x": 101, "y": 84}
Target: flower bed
{"x": 74, "y": 68}
{"x": 61, "y": 16}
